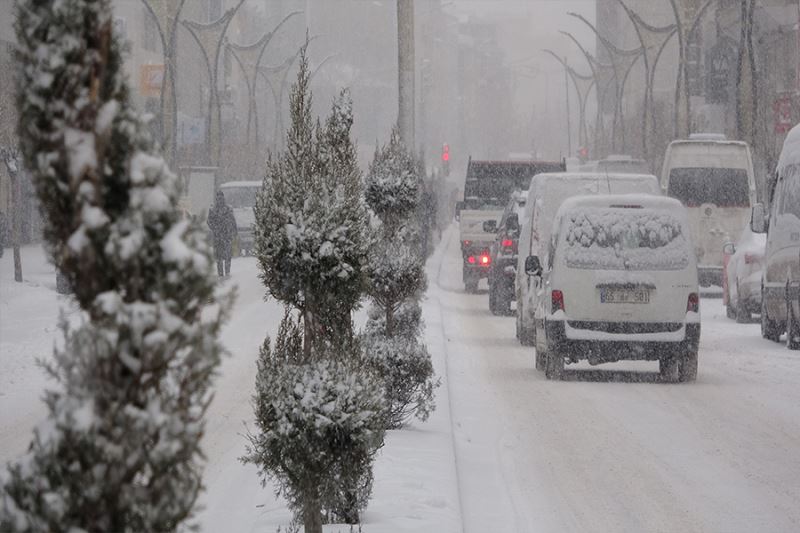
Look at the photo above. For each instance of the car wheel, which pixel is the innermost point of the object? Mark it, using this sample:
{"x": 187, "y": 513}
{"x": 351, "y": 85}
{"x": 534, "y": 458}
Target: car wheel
{"x": 743, "y": 316}
{"x": 687, "y": 369}
{"x": 730, "y": 312}
{"x": 493, "y": 297}
{"x": 504, "y": 298}
{"x": 554, "y": 369}
{"x": 668, "y": 367}
{"x": 527, "y": 336}
{"x": 792, "y": 329}
{"x": 770, "y": 329}
{"x": 471, "y": 283}
{"x": 541, "y": 360}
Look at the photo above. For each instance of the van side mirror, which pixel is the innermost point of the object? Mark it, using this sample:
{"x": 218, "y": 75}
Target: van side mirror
{"x": 758, "y": 221}
{"x": 728, "y": 248}
{"x": 533, "y": 267}
{"x": 512, "y": 222}
{"x": 490, "y": 226}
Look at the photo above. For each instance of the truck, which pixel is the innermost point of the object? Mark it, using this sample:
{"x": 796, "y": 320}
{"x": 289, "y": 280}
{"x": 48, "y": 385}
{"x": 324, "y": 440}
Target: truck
{"x": 488, "y": 188}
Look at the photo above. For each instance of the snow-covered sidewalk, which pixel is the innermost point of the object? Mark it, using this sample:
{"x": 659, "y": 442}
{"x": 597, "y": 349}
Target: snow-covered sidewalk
{"x": 28, "y": 330}
{"x": 415, "y": 474}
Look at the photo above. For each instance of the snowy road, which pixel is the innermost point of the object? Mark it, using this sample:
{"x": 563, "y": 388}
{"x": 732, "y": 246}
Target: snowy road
{"x": 722, "y": 454}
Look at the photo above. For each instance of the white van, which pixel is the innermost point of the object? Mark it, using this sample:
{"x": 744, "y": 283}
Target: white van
{"x": 714, "y": 179}
{"x": 781, "y": 274}
{"x": 241, "y": 196}
{"x": 545, "y": 196}
{"x": 619, "y": 282}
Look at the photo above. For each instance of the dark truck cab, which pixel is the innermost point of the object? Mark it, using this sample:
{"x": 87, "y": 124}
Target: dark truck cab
{"x": 488, "y": 189}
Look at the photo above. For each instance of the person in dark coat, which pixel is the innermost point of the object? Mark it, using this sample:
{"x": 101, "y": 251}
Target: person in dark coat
{"x": 223, "y": 228}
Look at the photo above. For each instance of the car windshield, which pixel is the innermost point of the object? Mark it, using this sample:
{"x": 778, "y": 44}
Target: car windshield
{"x": 240, "y": 197}
{"x": 624, "y": 239}
{"x": 723, "y": 187}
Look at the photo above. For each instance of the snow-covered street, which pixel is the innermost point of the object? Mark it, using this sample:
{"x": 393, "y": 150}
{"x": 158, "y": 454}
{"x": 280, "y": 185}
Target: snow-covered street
{"x": 506, "y": 450}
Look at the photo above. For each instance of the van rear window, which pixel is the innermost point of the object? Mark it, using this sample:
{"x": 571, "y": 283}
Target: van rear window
{"x": 723, "y": 187}
{"x": 624, "y": 239}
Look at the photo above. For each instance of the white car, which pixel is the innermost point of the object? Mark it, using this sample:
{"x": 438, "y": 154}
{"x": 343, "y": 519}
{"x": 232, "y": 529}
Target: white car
{"x": 545, "y": 195}
{"x": 742, "y": 269}
{"x": 780, "y": 220}
{"x": 714, "y": 179}
{"x": 619, "y": 282}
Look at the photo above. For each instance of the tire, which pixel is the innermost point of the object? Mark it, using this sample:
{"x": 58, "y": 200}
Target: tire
{"x": 687, "y": 369}
{"x": 503, "y": 299}
{"x": 527, "y": 336}
{"x": 541, "y": 361}
{"x": 668, "y": 367}
{"x": 471, "y": 286}
{"x": 770, "y": 329}
{"x": 554, "y": 369}
{"x": 730, "y": 312}
{"x": 792, "y": 329}
{"x": 743, "y": 316}
{"x": 494, "y": 306}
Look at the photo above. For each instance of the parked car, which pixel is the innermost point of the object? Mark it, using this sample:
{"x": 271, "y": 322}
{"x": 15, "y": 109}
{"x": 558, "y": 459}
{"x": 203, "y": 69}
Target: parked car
{"x": 619, "y": 282}
{"x": 545, "y": 195}
{"x": 780, "y": 287}
{"x": 714, "y": 179}
{"x": 741, "y": 275}
{"x": 503, "y": 255}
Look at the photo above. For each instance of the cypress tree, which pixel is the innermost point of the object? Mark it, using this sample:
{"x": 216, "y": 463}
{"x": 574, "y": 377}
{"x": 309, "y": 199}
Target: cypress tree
{"x": 120, "y": 449}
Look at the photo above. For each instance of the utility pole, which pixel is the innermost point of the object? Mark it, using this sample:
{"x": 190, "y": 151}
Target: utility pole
{"x": 405, "y": 66}
{"x": 569, "y": 120}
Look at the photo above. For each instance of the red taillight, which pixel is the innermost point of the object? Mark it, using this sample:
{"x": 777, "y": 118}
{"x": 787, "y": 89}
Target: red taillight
{"x": 557, "y": 298}
{"x": 485, "y": 260}
{"x": 693, "y": 303}
{"x": 751, "y": 259}
{"x": 465, "y": 243}
{"x": 471, "y": 260}
{"x": 508, "y": 243}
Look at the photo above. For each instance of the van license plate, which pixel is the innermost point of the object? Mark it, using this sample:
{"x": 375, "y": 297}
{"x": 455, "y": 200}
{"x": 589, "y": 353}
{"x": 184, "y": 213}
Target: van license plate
{"x": 624, "y": 296}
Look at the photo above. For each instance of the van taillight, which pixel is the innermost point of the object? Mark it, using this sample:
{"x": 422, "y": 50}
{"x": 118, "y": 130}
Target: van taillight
{"x": 508, "y": 243}
{"x": 557, "y": 298}
{"x": 471, "y": 260}
{"x": 693, "y": 303}
{"x": 485, "y": 260}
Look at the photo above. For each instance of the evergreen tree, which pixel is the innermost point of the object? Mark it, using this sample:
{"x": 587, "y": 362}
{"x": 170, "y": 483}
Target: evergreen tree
{"x": 311, "y": 234}
{"x": 319, "y": 412}
{"x": 120, "y": 448}
{"x": 396, "y": 282}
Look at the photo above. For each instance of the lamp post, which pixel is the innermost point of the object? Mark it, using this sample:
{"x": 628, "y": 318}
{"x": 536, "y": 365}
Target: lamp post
{"x": 165, "y": 14}
{"x": 603, "y": 78}
{"x": 687, "y": 25}
{"x": 251, "y": 56}
{"x": 583, "y": 86}
{"x": 210, "y": 37}
{"x": 622, "y": 62}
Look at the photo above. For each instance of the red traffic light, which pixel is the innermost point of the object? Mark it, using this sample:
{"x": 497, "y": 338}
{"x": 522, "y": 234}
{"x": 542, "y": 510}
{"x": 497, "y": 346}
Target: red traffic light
{"x": 446, "y": 152}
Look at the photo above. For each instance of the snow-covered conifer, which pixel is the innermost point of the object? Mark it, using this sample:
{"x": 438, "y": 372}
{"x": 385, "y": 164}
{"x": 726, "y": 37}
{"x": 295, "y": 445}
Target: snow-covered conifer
{"x": 396, "y": 282}
{"x": 320, "y": 423}
{"x": 120, "y": 449}
{"x": 392, "y": 185}
{"x": 311, "y": 229}
{"x": 320, "y": 412}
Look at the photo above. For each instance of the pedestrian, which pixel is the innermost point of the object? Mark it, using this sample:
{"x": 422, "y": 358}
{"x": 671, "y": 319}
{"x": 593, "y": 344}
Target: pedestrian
{"x": 223, "y": 227}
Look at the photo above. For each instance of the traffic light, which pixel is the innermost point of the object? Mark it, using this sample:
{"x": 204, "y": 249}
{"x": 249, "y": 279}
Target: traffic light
{"x": 446, "y": 159}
